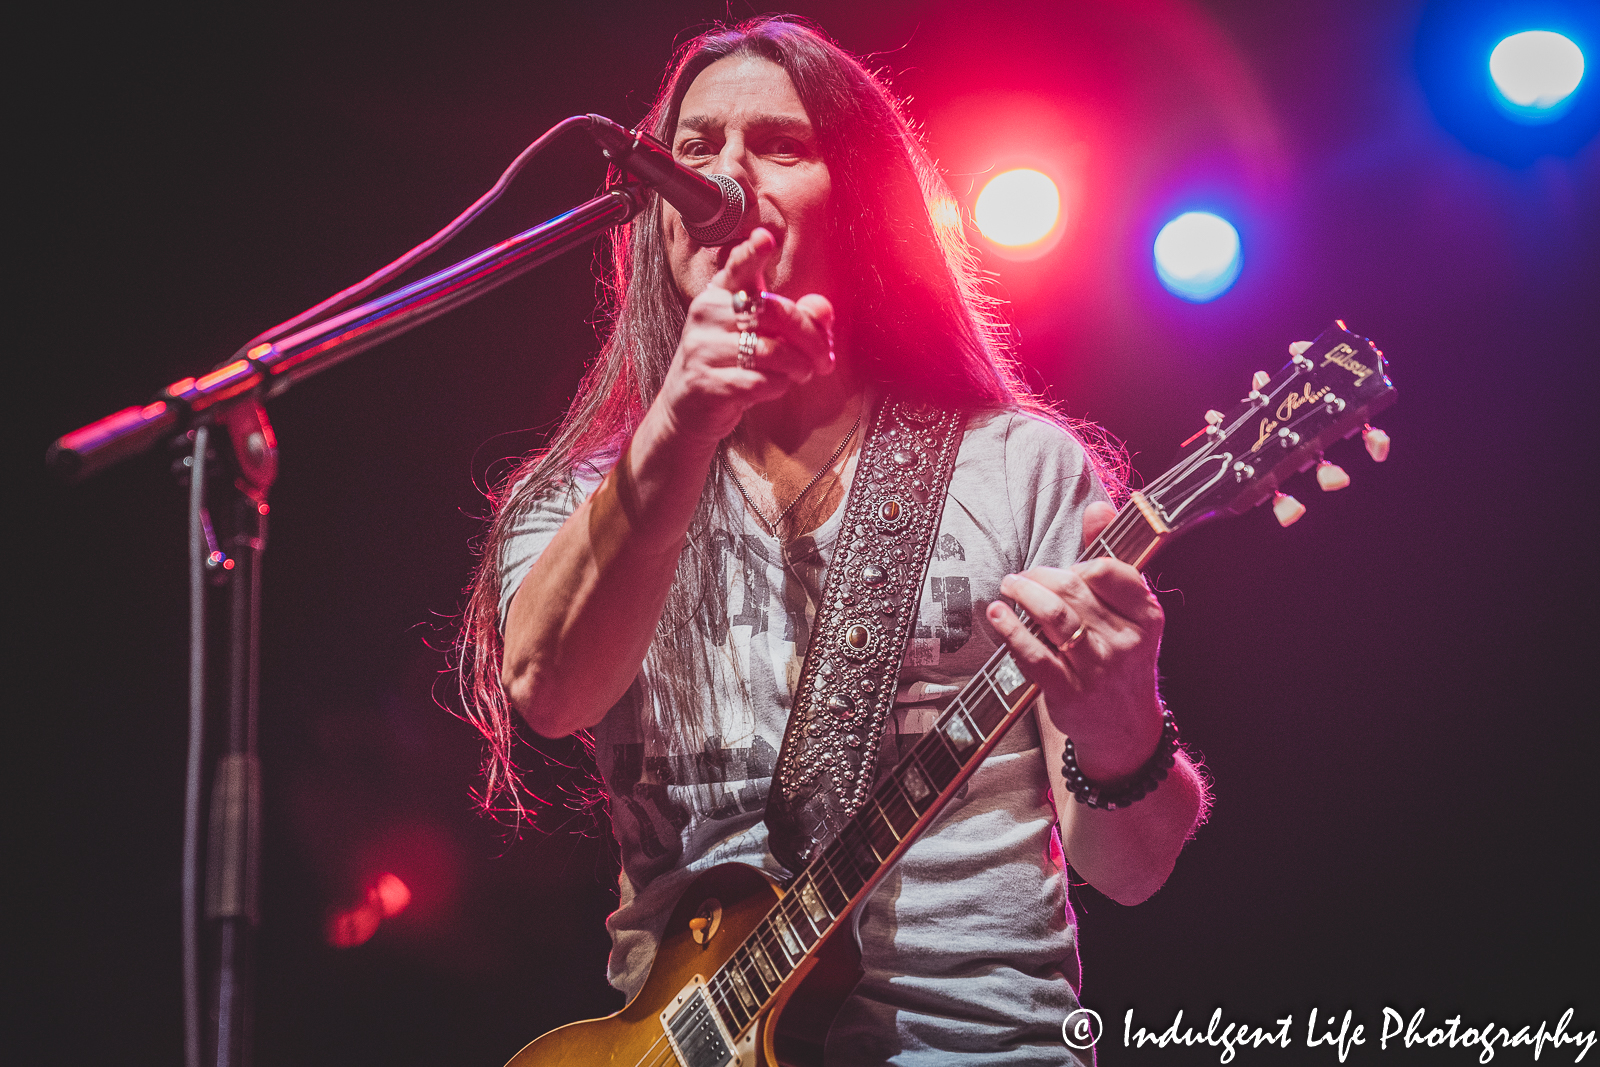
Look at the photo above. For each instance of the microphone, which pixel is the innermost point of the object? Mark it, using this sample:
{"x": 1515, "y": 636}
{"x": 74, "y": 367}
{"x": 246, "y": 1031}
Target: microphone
{"x": 711, "y": 205}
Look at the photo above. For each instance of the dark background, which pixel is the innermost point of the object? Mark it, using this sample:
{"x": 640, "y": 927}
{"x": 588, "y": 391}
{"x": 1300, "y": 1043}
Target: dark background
{"x": 1393, "y": 695}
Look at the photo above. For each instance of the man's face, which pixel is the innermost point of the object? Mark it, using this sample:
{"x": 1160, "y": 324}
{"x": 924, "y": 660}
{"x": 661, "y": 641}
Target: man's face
{"x": 741, "y": 117}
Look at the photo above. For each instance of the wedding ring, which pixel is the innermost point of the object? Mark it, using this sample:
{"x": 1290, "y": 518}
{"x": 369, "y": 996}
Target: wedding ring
{"x": 747, "y": 348}
{"x": 1077, "y": 637}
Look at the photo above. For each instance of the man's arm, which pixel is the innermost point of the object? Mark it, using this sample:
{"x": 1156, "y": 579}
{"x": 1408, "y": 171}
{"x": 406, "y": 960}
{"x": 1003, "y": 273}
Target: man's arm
{"x": 581, "y": 621}
{"x": 1126, "y": 854}
{"x": 1101, "y": 691}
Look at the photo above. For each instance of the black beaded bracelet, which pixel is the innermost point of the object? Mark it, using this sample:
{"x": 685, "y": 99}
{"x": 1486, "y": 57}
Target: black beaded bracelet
{"x": 1140, "y": 783}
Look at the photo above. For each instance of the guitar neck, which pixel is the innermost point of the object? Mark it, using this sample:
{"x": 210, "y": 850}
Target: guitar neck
{"x": 903, "y": 805}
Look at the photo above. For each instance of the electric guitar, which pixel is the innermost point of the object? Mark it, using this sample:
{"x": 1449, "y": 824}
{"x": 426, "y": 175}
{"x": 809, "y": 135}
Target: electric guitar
{"x": 749, "y": 973}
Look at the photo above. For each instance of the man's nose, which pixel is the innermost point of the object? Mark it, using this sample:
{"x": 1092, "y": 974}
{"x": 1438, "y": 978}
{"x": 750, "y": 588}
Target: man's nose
{"x": 734, "y": 162}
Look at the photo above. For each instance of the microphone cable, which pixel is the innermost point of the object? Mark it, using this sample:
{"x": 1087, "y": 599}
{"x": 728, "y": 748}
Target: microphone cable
{"x": 366, "y": 286}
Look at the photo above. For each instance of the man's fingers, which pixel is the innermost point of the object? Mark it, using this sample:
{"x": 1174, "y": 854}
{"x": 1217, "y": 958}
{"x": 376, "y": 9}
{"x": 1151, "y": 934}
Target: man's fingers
{"x": 1056, "y": 611}
{"x": 1121, "y": 589}
{"x": 1108, "y": 595}
{"x": 747, "y": 260}
{"x": 1030, "y": 653}
{"x": 821, "y": 311}
{"x": 806, "y": 325}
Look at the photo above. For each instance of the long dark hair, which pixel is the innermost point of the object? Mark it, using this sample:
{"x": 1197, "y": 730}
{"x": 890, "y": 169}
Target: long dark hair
{"x": 922, "y": 326}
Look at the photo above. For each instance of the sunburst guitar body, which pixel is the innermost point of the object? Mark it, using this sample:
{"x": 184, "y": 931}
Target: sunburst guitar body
{"x": 726, "y": 906}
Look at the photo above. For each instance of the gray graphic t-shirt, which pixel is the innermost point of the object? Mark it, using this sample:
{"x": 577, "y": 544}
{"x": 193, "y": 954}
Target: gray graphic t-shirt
{"x": 968, "y": 946}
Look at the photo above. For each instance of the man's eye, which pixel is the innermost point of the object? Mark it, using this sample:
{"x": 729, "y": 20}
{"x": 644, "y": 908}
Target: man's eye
{"x": 694, "y": 149}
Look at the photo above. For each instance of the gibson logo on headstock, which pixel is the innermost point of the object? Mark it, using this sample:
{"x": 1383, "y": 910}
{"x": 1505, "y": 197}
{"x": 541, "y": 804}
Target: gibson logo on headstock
{"x": 1286, "y": 409}
{"x": 1342, "y": 355}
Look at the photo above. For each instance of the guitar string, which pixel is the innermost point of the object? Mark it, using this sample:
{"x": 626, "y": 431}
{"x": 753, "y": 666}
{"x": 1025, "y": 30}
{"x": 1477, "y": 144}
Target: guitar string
{"x": 1183, "y": 468}
{"x": 652, "y": 1050}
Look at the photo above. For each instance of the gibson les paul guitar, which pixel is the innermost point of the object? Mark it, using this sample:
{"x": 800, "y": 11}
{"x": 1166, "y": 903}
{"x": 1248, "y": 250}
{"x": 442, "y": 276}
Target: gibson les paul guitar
{"x": 749, "y": 973}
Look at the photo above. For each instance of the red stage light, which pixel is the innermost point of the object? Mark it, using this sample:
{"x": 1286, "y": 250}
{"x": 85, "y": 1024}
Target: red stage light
{"x": 391, "y": 894}
{"x": 353, "y": 927}
{"x": 386, "y": 898}
{"x": 1019, "y": 209}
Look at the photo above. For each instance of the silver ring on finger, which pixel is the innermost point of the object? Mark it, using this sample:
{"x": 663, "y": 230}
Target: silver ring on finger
{"x": 1077, "y": 637}
{"x": 747, "y": 309}
{"x": 748, "y": 340}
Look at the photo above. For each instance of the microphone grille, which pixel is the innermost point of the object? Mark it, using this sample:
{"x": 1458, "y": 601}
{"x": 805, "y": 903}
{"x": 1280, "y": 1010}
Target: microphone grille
{"x": 720, "y": 228}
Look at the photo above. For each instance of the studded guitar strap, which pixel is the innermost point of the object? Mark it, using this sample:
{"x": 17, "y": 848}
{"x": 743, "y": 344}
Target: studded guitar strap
{"x": 826, "y": 767}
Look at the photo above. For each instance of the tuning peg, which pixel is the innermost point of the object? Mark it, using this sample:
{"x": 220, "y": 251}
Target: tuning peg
{"x": 1287, "y": 509}
{"x": 1258, "y": 381}
{"x": 1377, "y": 443}
{"x": 1213, "y": 426}
{"x": 1299, "y": 348}
{"x": 1331, "y": 476}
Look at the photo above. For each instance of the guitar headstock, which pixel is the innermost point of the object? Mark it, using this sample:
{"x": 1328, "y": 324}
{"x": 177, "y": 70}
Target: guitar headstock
{"x": 1325, "y": 393}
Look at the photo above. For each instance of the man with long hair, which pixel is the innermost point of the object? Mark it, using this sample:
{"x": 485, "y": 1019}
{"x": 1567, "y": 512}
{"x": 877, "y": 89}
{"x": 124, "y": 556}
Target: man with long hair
{"x": 653, "y": 576}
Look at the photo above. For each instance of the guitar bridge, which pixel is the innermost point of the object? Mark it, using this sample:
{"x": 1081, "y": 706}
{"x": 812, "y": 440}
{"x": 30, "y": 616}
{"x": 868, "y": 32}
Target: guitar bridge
{"x": 695, "y": 1029}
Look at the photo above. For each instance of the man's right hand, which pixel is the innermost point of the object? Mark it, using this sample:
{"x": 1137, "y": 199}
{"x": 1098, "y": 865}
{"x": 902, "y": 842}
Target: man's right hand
{"x": 706, "y": 392}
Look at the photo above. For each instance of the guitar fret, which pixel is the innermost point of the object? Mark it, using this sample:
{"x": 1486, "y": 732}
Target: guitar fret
{"x": 937, "y": 757}
{"x": 866, "y": 838}
{"x": 839, "y": 890}
{"x": 771, "y": 951}
{"x": 989, "y": 713}
{"x": 811, "y": 901}
{"x": 742, "y": 965}
{"x": 852, "y": 840}
{"x": 955, "y": 732}
{"x": 788, "y": 943}
{"x": 966, "y": 713}
{"x": 804, "y": 930}
{"x": 886, "y": 820}
{"x": 847, "y": 868}
{"x": 994, "y": 686}
{"x": 904, "y": 811}
{"x": 741, "y": 987}
{"x": 913, "y": 786}
{"x": 724, "y": 1003}
{"x": 986, "y": 709}
{"x": 763, "y": 963}
{"x": 882, "y": 843}
{"x": 1008, "y": 678}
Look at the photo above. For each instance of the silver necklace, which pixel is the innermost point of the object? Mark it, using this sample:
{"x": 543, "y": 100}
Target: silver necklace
{"x": 772, "y": 527}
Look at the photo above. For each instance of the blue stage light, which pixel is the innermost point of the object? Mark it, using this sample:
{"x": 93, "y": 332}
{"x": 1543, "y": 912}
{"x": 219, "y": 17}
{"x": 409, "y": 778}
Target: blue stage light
{"x": 1506, "y": 76}
{"x": 1197, "y": 256}
{"x": 1535, "y": 73}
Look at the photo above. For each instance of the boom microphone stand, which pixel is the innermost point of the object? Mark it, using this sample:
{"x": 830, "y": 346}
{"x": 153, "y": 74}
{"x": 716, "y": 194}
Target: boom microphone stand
{"x": 220, "y": 423}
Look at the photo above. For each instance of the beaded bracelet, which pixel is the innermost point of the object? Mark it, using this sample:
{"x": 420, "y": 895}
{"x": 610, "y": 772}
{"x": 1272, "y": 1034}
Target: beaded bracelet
{"x": 1140, "y": 783}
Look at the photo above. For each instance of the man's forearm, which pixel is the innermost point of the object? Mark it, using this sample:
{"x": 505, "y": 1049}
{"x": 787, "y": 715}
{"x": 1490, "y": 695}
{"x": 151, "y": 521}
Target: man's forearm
{"x": 581, "y": 622}
{"x": 1127, "y": 854}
